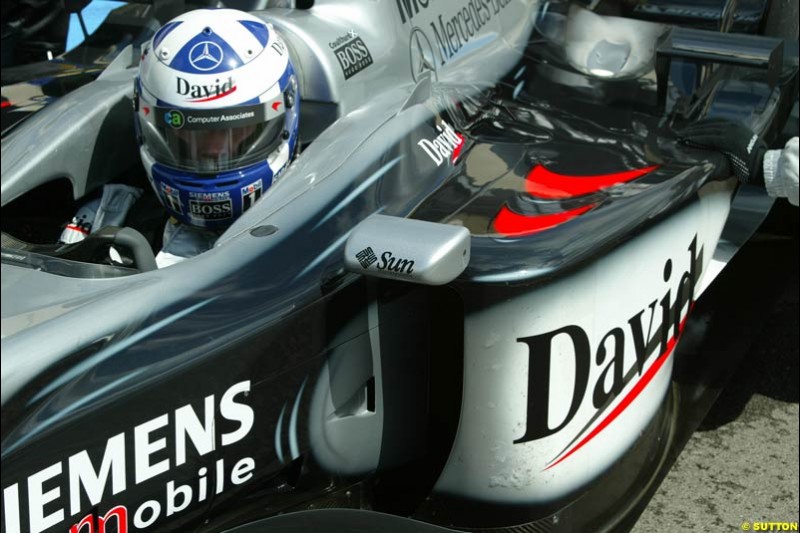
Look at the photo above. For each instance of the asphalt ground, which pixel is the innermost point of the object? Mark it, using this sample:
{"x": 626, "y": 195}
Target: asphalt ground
{"x": 739, "y": 470}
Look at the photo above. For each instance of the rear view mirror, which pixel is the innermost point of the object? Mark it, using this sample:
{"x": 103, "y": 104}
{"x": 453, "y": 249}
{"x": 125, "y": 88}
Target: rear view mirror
{"x": 409, "y": 250}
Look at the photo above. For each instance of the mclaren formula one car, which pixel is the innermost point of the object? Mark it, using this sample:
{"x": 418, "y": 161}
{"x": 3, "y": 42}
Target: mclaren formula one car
{"x": 460, "y": 308}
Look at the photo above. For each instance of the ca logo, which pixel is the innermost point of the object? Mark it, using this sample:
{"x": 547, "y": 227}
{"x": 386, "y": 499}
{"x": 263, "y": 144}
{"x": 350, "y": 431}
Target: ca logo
{"x": 174, "y": 118}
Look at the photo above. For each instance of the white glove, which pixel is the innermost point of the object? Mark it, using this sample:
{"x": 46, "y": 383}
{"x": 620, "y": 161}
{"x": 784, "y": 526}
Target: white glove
{"x": 781, "y": 171}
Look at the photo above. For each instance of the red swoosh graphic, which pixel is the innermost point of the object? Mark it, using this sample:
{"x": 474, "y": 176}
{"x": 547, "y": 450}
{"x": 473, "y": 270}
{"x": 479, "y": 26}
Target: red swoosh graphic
{"x": 547, "y": 184}
{"x": 628, "y": 399}
{"x": 215, "y": 97}
{"x": 457, "y": 149}
{"x": 512, "y": 224}
{"x": 5, "y": 103}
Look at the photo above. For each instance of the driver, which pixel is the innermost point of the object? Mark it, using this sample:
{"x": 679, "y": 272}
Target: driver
{"x": 217, "y": 121}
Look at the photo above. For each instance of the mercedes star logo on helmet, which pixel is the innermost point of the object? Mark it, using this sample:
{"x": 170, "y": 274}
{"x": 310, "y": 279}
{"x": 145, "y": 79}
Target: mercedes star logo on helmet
{"x": 205, "y": 55}
{"x": 423, "y": 58}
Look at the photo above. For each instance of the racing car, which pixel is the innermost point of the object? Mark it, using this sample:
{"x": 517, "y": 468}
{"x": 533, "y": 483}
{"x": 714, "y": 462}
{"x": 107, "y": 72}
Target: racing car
{"x": 458, "y": 309}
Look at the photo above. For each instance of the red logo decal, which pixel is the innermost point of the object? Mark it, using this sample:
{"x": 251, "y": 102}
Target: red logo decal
{"x": 458, "y": 147}
{"x": 87, "y": 524}
{"x": 548, "y": 185}
{"x": 626, "y": 401}
{"x": 216, "y": 96}
{"x": 275, "y": 105}
{"x": 512, "y": 224}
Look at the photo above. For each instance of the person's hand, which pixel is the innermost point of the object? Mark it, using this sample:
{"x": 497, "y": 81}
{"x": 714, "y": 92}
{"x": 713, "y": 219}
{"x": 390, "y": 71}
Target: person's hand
{"x": 741, "y": 146}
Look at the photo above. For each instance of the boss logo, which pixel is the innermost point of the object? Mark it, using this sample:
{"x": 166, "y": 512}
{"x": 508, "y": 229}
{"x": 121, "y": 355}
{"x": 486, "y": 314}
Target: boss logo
{"x": 353, "y": 57}
{"x": 211, "y": 210}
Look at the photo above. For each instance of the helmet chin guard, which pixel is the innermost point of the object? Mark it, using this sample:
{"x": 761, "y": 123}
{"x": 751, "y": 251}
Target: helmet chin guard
{"x": 217, "y": 114}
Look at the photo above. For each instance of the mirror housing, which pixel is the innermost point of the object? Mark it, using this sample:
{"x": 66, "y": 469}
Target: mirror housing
{"x": 408, "y": 250}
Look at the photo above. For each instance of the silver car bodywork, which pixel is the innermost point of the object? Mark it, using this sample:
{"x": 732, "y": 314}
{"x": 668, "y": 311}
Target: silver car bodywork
{"x": 566, "y": 338}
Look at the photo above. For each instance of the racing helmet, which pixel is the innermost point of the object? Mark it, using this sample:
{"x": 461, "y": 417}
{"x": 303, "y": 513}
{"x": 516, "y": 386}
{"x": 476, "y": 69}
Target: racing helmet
{"x": 217, "y": 113}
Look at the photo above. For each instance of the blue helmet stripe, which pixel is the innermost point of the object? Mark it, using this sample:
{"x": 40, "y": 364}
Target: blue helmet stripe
{"x": 258, "y": 29}
{"x": 287, "y": 74}
{"x": 164, "y": 31}
{"x": 162, "y": 103}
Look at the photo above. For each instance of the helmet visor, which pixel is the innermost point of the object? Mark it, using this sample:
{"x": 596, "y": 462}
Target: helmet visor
{"x": 214, "y": 140}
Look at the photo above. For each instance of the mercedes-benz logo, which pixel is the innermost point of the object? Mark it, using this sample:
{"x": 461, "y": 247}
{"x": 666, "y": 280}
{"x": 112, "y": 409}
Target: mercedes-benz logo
{"x": 423, "y": 58}
{"x": 205, "y": 55}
